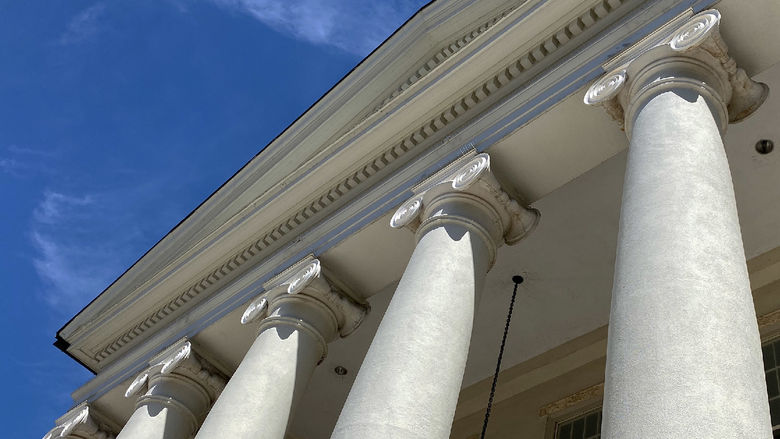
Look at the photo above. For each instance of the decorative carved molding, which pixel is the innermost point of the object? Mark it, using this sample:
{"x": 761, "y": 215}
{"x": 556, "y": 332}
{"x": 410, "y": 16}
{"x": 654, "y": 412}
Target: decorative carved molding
{"x": 473, "y": 177}
{"x": 604, "y": 93}
{"x": 593, "y": 392}
{"x": 256, "y": 310}
{"x": 696, "y": 31}
{"x": 180, "y": 359}
{"x": 769, "y": 319}
{"x": 307, "y": 279}
{"x": 304, "y": 277}
{"x": 515, "y": 72}
{"x": 469, "y": 174}
{"x": 699, "y": 38}
{"x": 80, "y": 421}
{"x": 407, "y": 213}
{"x": 441, "y": 55}
{"x": 138, "y": 386}
{"x": 606, "y": 88}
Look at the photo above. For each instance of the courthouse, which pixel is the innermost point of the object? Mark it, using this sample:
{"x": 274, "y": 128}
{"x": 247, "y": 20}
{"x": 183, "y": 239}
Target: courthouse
{"x": 353, "y": 280}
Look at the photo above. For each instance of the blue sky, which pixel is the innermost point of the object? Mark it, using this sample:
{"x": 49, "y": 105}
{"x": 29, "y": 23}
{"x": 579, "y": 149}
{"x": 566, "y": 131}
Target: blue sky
{"x": 119, "y": 117}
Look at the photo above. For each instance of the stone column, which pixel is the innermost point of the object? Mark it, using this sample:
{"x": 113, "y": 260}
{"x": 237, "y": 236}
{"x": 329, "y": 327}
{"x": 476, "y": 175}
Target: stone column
{"x": 684, "y": 357}
{"x": 82, "y": 422}
{"x": 297, "y": 319}
{"x": 409, "y": 382}
{"x": 176, "y": 392}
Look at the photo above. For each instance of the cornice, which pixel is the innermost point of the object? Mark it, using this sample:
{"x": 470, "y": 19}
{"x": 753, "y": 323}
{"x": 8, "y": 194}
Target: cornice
{"x": 108, "y": 305}
{"x": 441, "y": 55}
{"x": 241, "y": 191}
{"x": 510, "y": 75}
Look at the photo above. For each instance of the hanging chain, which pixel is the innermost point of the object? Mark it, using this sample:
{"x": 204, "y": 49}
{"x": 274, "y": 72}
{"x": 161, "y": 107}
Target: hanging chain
{"x": 517, "y": 280}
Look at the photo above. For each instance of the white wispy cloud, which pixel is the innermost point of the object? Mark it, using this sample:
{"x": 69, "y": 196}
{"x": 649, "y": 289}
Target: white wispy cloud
{"x": 180, "y": 5}
{"x": 355, "y": 26}
{"x": 56, "y": 205}
{"x": 71, "y": 272}
{"x": 24, "y": 151}
{"x": 10, "y": 166}
{"x": 83, "y": 26}
{"x": 81, "y": 244}
{"x": 26, "y": 163}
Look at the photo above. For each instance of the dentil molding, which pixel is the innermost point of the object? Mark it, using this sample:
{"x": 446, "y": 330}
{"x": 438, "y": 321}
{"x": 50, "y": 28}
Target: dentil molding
{"x": 439, "y": 57}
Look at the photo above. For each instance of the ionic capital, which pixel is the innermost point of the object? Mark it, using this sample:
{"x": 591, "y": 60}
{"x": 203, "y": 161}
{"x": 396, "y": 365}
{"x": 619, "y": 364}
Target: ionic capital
{"x": 483, "y": 206}
{"x": 320, "y": 305}
{"x": 694, "y": 56}
{"x": 81, "y": 422}
{"x": 179, "y": 360}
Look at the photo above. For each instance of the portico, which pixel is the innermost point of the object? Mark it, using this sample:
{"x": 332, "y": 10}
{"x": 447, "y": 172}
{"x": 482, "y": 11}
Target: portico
{"x": 421, "y": 208}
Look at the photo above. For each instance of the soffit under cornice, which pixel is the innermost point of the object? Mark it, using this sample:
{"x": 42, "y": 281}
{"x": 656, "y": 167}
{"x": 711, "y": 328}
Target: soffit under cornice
{"x": 466, "y": 83}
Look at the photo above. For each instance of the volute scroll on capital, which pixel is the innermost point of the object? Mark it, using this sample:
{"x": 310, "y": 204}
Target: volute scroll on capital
{"x": 474, "y": 178}
{"x": 696, "y": 46}
{"x": 181, "y": 359}
{"x": 307, "y": 279}
{"x": 81, "y": 421}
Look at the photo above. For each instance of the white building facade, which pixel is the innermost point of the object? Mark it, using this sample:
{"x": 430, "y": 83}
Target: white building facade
{"x": 353, "y": 279}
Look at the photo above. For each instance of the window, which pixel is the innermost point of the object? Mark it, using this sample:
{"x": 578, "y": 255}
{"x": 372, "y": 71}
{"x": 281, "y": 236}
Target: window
{"x": 771, "y": 353}
{"x": 587, "y": 426}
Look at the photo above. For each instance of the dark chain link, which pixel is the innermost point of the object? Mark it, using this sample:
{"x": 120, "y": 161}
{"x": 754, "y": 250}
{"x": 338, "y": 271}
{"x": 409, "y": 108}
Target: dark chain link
{"x": 517, "y": 280}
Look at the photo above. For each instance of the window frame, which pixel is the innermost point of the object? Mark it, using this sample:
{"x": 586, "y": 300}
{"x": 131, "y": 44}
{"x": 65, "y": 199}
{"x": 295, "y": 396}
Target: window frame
{"x": 571, "y": 413}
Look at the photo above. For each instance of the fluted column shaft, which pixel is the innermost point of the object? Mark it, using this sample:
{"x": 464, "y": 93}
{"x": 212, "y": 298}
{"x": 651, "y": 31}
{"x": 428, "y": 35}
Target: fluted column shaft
{"x": 683, "y": 356}
{"x": 409, "y": 382}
